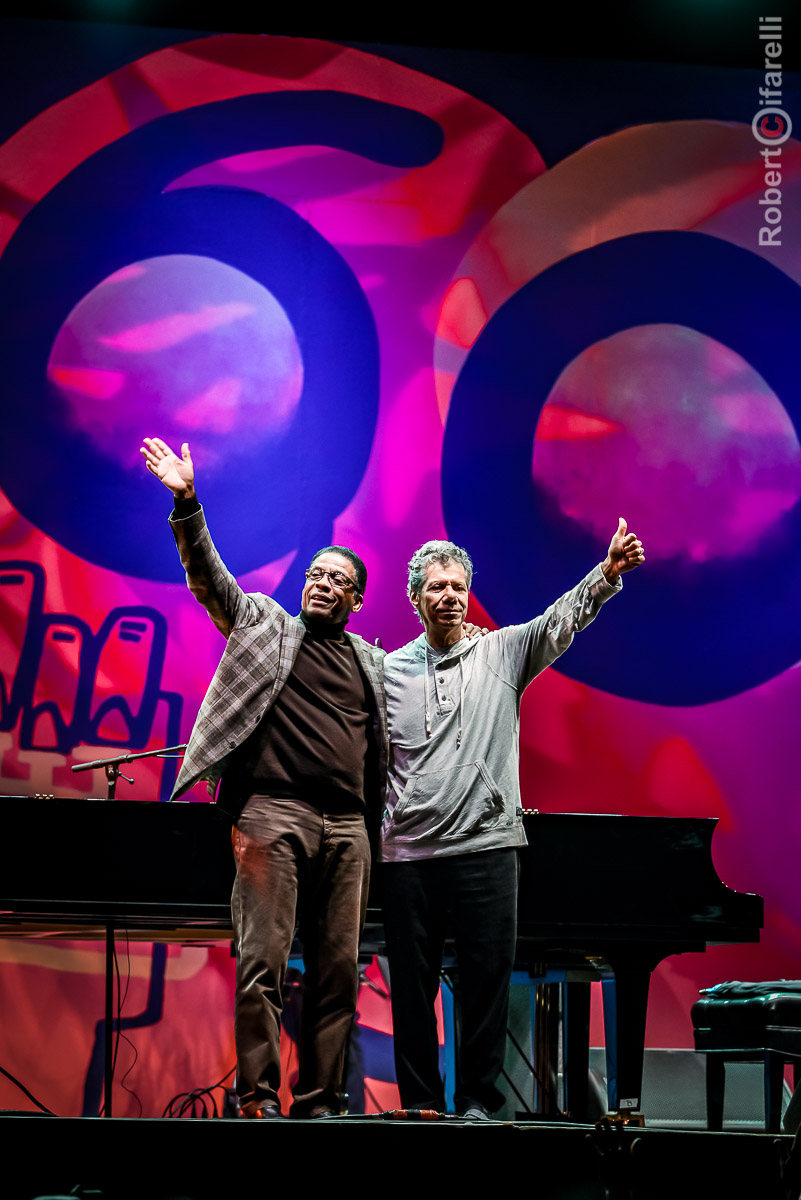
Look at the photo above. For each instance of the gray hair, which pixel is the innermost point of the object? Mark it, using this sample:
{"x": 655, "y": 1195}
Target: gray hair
{"x": 441, "y": 552}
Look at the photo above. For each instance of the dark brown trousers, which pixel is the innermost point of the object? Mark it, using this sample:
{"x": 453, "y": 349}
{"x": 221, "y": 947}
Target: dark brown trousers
{"x": 297, "y": 866}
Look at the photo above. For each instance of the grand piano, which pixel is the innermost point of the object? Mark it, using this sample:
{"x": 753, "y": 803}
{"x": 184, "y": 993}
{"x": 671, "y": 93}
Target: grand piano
{"x": 602, "y": 897}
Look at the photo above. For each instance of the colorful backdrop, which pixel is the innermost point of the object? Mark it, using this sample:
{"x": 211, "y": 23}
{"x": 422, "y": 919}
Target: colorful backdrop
{"x": 388, "y": 295}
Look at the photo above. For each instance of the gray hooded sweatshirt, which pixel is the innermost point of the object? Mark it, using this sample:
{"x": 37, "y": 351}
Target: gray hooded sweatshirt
{"x": 454, "y": 722}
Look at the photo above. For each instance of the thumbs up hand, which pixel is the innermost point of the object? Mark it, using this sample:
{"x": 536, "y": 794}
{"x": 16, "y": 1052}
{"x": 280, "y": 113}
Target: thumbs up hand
{"x": 625, "y": 553}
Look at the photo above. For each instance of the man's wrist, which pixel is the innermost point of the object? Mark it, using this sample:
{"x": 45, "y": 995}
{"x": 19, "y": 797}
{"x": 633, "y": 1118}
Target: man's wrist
{"x": 185, "y": 504}
{"x": 609, "y": 571}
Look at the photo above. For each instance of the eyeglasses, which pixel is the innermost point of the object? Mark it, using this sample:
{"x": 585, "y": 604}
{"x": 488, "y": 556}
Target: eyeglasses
{"x": 338, "y": 578}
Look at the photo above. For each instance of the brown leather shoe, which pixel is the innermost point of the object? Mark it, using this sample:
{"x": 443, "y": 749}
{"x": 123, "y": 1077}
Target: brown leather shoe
{"x": 261, "y": 1112}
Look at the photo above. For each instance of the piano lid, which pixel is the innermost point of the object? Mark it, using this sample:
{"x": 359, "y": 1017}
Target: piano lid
{"x": 633, "y": 876}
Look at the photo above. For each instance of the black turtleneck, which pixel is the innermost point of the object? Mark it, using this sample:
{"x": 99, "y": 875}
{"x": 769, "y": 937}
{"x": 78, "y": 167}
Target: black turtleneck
{"x": 313, "y": 742}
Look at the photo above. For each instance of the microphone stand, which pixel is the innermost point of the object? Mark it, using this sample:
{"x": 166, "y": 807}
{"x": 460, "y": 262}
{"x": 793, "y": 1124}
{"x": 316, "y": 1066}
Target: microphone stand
{"x": 111, "y": 766}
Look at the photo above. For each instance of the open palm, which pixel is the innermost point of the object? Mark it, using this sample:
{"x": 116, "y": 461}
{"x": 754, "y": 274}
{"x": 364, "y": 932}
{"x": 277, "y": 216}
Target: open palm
{"x": 177, "y": 474}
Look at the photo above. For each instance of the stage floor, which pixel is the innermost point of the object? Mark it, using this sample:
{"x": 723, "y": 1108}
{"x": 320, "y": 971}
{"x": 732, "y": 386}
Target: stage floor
{"x": 193, "y": 1159}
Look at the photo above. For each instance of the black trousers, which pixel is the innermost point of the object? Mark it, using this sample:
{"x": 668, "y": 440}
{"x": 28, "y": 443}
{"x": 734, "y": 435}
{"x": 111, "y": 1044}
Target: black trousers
{"x": 473, "y": 898}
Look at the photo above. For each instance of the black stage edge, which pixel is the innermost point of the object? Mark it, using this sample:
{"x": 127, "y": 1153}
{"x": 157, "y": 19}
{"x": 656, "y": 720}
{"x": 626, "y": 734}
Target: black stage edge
{"x": 197, "y": 1159}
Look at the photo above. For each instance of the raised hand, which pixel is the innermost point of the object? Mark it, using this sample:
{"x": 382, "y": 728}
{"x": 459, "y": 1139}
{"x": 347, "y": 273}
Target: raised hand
{"x": 177, "y": 474}
{"x": 625, "y": 553}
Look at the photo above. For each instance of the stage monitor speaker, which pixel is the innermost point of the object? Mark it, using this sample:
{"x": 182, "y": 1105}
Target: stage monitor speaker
{"x": 674, "y": 1090}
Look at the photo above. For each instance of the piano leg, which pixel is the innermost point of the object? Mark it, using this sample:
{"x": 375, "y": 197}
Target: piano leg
{"x": 561, "y": 1040}
{"x": 625, "y": 1008}
{"x": 546, "y": 1049}
{"x": 577, "y": 1049}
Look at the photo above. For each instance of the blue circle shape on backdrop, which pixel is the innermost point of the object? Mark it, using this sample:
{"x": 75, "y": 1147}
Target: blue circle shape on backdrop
{"x": 112, "y": 211}
{"x": 682, "y": 633}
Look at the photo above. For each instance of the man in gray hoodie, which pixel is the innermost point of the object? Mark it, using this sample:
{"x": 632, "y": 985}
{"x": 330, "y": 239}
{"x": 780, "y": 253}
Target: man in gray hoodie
{"x": 453, "y": 821}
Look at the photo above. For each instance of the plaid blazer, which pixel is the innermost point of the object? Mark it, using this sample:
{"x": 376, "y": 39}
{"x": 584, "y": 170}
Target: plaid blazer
{"x": 263, "y": 641}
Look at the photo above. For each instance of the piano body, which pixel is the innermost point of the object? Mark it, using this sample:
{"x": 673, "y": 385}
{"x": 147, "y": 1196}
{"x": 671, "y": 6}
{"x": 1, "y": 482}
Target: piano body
{"x": 609, "y": 897}
{"x": 602, "y": 897}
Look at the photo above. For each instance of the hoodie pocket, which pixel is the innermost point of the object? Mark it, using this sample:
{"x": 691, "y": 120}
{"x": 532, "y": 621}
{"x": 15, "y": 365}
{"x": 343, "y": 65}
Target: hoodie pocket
{"x": 458, "y": 802}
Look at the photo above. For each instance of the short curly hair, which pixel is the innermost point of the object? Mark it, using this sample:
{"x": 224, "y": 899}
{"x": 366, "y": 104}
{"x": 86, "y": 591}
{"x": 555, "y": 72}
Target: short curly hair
{"x": 441, "y": 552}
{"x": 359, "y": 568}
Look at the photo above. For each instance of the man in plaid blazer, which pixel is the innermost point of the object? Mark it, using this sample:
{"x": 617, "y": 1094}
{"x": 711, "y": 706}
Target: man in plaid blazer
{"x": 294, "y": 724}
